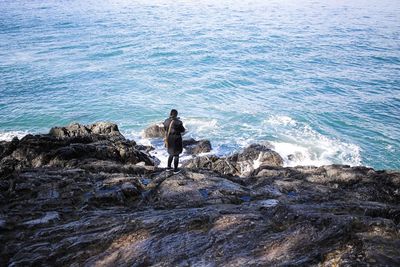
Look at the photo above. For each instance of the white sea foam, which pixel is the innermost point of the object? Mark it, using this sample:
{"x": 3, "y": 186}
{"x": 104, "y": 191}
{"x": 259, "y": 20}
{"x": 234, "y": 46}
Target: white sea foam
{"x": 299, "y": 144}
{"x": 281, "y": 120}
{"x": 8, "y": 136}
{"x": 296, "y": 142}
{"x": 200, "y": 126}
{"x": 157, "y": 143}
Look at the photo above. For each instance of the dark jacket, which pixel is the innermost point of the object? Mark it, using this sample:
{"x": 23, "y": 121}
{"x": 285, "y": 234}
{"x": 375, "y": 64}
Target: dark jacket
{"x": 175, "y": 138}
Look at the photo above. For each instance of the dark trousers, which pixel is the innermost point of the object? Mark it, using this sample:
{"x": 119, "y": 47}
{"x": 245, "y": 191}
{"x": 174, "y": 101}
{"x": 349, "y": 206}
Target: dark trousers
{"x": 176, "y": 161}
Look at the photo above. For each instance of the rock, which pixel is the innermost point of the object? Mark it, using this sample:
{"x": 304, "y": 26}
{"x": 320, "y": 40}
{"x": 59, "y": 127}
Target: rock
{"x": 255, "y": 156}
{"x": 73, "y": 201}
{"x": 74, "y": 129}
{"x": 199, "y": 217}
{"x": 47, "y": 218}
{"x": 78, "y": 130}
{"x": 145, "y": 148}
{"x": 194, "y": 147}
{"x": 107, "y": 196}
{"x": 7, "y": 166}
{"x": 260, "y": 155}
{"x": 130, "y": 190}
{"x": 241, "y": 164}
{"x": 68, "y": 146}
{"x": 105, "y": 128}
{"x": 154, "y": 131}
{"x": 6, "y": 148}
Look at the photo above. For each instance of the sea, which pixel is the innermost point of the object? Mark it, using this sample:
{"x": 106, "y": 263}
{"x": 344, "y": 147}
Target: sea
{"x": 316, "y": 80}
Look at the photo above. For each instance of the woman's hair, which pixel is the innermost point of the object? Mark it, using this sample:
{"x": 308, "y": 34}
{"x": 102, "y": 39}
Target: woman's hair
{"x": 173, "y": 113}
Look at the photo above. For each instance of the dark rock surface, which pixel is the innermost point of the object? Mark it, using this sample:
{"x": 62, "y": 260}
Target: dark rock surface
{"x": 75, "y": 129}
{"x": 100, "y": 210}
{"x": 71, "y": 146}
{"x": 194, "y": 147}
{"x": 241, "y": 164}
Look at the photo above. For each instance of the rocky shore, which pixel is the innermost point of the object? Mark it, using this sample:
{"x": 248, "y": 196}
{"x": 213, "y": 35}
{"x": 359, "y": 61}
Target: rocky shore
{"x": 87, "y": 196}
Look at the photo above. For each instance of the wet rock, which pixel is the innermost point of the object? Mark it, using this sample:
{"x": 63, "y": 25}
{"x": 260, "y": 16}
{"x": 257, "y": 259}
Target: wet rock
{"x": 240, "y": 164}
{"x": 6, "y": 148}
{"x": 130, "y": 190}
{"x": 194, "y": 147}
{"x": 145, "y": 148}
{"x": 7, "y": 166}
{"x": 71, "y": 145}
{"x": 48, "y": 217}
{"x": 78, "y": 130}
{"x": 85, "y": 205}
{"x": 154, "y": 131}
{"x": 107, "y": 196}
{"x": 260, "y": 155}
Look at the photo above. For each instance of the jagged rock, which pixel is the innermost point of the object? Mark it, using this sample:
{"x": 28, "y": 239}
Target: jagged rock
{"x": 194, "y": 147}
{"x": 154, "y": 131}
{"x": 130, "y": 190}
{"x": 200, "y": 189}
{"x": 105, "y": 128}
{"x": 105, "y": 212}
{"x": 6, "y": 148}
{"x": 260, "y": 154}
{"x": 241, "y": 164}
{"x": 76, "y": 216}
{"x": 8, "y": 166}
{"x": 145, "y": 148}
{"x": 78, "y": 130}
{"x": 69, "y": 146}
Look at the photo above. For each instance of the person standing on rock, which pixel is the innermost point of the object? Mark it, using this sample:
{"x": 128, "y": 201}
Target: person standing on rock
{"x": 173, "y": 138}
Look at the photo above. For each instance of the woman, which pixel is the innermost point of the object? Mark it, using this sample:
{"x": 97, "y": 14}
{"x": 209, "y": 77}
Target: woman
{"x": 173, "y": 138}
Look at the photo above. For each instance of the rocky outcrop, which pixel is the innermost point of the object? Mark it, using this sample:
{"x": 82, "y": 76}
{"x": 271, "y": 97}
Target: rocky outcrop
{"x": 154, "y": 131}
{"x": 106, "y": 212}
{"x": 71, "y": 146}
{"x": 241, "y": 164}
{"x": 194, "y": 147}
{"x": 107, "y": 129}
{"x": 333, "y": 215}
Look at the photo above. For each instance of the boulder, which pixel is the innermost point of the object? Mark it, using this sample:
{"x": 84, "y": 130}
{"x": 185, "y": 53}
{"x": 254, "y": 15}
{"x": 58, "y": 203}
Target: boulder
{"x": 260, "y": 153}
{"x": 70, "y": 145}
{"x": 194, "y": 147}
{"x": 240, "y": 164}
{"x": 154, "y": 131}
{"x": 107, "y": 129}
{"x": 6, "y": 148}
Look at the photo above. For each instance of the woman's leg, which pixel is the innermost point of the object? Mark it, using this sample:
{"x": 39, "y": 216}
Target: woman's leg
{"x": 170, "y": 161}
{"x": 176, "y": 162}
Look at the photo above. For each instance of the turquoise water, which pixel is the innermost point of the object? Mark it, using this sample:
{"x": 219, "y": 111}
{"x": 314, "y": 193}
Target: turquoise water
{"x": 316, "y": 79}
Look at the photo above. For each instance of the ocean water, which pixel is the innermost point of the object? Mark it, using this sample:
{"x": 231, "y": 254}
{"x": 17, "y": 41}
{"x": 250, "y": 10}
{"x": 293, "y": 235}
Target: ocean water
{"x": 318, "y": 80}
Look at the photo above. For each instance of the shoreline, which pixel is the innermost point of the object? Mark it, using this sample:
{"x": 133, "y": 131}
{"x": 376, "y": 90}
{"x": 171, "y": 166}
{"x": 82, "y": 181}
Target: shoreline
{"x": 296, "y": 158}
{"x": 84, "y": 194}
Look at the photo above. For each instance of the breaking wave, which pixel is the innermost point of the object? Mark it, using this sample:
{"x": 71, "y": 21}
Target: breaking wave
{"x": 8, "y": 136}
